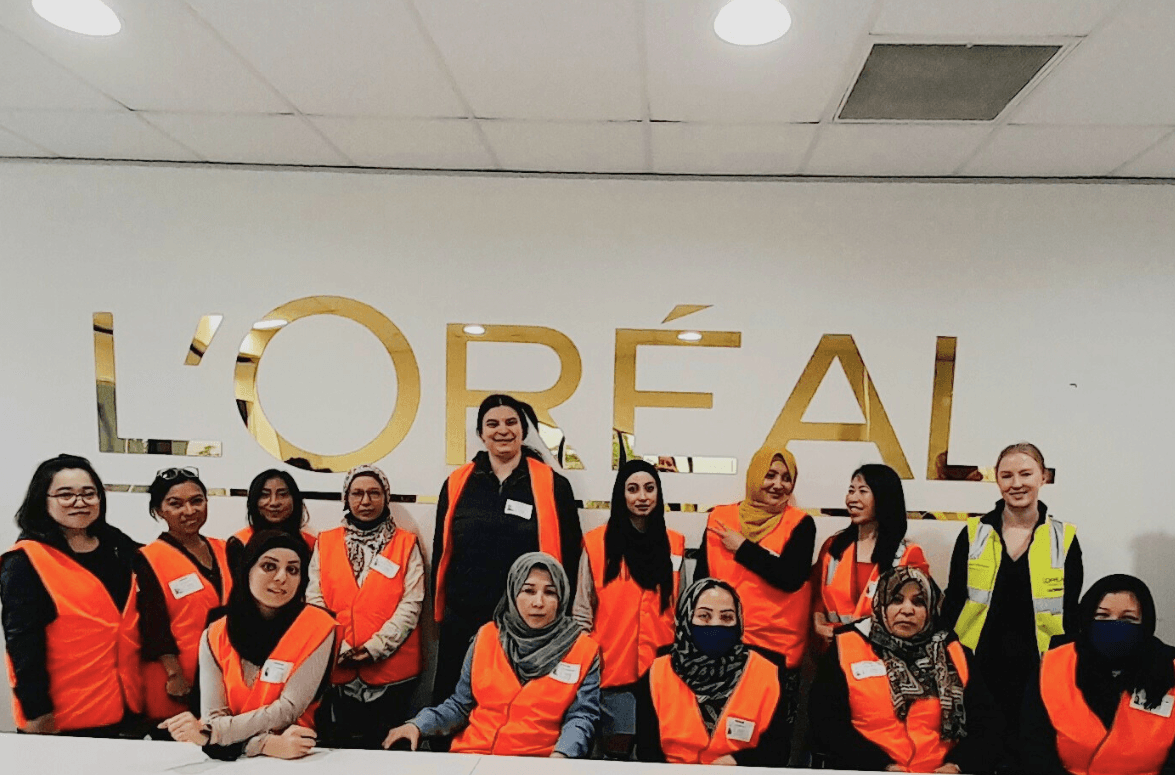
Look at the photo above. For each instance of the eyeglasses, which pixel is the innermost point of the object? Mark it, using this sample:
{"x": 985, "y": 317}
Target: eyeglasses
{"x": 69, "y": 498}
{"x": 167, "y": 474}
{"x": 371, "y": 495}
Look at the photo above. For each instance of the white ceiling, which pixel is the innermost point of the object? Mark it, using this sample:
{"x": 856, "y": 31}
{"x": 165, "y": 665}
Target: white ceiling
{"x": 608, "y": 86}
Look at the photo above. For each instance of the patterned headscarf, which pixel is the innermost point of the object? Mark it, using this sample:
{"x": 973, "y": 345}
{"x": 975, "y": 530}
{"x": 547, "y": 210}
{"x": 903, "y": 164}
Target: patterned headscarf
{"x": 918, "y": 666}
{"x": 535, "y": 653}
{"x": 364, "y": 540}
{"x": 711, "y": 679}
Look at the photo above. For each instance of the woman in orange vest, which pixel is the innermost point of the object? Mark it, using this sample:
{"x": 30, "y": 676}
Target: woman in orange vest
{"x": 369, "y": 573}
{"x": 274, "y": 502}
{"x": 67, "y": 600}
{"x": 182, "y": 576}
{"x": 712, "y": 700}
{"x": 264, "y": 663}
{"x": 897, "y": 692}
{"x": 504, "y": 503}
{"x": 629, "y": 578}
{"x": 1102, "y": 702}
{"x": 530, "y": 683}
{"x": 851, "y": 561}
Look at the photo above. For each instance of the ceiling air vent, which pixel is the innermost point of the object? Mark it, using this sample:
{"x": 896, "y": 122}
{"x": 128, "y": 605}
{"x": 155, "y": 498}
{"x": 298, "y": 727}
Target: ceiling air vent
{"x": 936, "y": 82}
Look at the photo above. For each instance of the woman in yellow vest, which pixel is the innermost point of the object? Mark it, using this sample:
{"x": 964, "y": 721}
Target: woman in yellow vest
{"x": 182, "y": 576}
{"x": 273, "y": 502}
{"x": 1016, "y": 576}
{"x": 263, "y": 664}
{"x": 851, "y": 561}
{"x": 530, "y": 683}
{"x": 897, "y": 692}
{"x": 1102, "y": 702}
{"x": 629, "y": 578}
{"x": 67, "y": 599}
{"x": 369, "y": 573}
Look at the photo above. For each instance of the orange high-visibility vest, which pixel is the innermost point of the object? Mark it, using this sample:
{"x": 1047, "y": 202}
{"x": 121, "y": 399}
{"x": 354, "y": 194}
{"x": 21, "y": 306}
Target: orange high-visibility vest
{"x": 746, "y": 715}
{"x": 1136, "y": 744}
{"x": 91, "y": 648}
{"x": 188, "y": 597}
{"x": 510, "y": 719}
{"x": 306, "y": 634}
{"x": 542, "y": 486}
{"x": 244, "y": 534}
{"x": 629, "y": 624}
{"x": 836, "y": 579}
{"x": 914, "y": 745}
{"x": 361, "y": 611}
{"x": 773, "y": 619}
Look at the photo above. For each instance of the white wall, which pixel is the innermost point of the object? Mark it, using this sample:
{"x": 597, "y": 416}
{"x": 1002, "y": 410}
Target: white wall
{"x": 1060, "y": 296}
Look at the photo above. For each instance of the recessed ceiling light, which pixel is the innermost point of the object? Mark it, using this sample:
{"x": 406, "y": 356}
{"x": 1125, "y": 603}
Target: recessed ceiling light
{"x": 752, "y": 22}
{"x": 269, "y": 325}
{"x": 87, "y": 17}
{"x": 474, "y": 330}
{"x": 690, "y": 336}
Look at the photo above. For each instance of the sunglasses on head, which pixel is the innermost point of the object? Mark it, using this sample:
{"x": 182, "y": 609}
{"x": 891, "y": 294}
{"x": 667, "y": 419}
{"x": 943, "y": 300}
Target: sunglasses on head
{"x": 168, "y": 474}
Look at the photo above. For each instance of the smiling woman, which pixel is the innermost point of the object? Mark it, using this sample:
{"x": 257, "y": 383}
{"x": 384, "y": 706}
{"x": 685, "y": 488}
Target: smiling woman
{"x": 274, "y": 502}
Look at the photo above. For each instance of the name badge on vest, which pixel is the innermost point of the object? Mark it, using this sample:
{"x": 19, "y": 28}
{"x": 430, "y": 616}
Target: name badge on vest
{"x": 869, "y": 669}
{"x": 566, "y": 672}
{"x": 871, "y": 589}
{"x": 384, "y": 567}
{"x": 739, "y": 729}
{"x": 185, "y": 585}
{"x": 676, "y": 560}
{"x": 1164, "y": 709}
{"x": 275, "y": 671}
{"x": 519, "y": 509}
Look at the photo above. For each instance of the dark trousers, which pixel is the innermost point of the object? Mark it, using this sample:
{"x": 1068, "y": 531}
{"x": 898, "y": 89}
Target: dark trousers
{"x": 345, "y": 722}
{"x": 456, "y": 633}
{"x": 789, "y": 694}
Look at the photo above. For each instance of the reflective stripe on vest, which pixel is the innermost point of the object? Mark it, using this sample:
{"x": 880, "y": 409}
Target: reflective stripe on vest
{"x": 916, "y": 744}
{"x": 629, "y": 624}
{"x": 510, "y": 719}
{"x": 91, "y": 648}
{"x": 747, "y": 712}
{"x": 1046, "y": 566}
{"x": 773, "y": 619}
{"x": 1138, "y": 742}
{"x": 306, "y": 634}
{"x": 837, "y": 588}
{"x": 187, "y": 611}
{"x": 542, "y": 487}
{"x": 362, "y": 611}
{"x": 244, "y": 534}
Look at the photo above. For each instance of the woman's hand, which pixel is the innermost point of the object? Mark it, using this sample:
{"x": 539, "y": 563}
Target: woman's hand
{"x": 185, "y": 728}
{"x": 725, "y": 761}
{"x": 41, "y": 725}
{"x": 177, "y": 686}
{"x": 409, "y": 732}
{"x": 954, "y": 768}
{"x": 731, "y": 539}
{"x": 823, "y": 628}
{"x": 894, "y": 768}
{"x": 557, "y": 755}
{"x": 354, "y": 658}
{"x": 294, "y": 743}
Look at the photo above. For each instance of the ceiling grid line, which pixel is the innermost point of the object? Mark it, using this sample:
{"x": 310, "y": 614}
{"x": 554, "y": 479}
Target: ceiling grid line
{"x": 1164, "y": 138}
{"x": 30, "y": 141}
{"x": 139, "y": 115}
{"x": 68, "y": 70}
{"x": 643, "y": 63}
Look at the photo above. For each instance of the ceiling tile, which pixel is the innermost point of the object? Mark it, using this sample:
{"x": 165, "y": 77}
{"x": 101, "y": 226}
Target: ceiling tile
{"x": 95, "y": 135}
{"x": 34, "y": 81}
{"x": 11, "y": 145}
{"x": 968, "y": 20}
{"x": 338, "y": 58}
{"x": 1158, "y": 162}
{"x": 408, "y": 143}
{"x": 248, "y": 139}
{"x": 568, "y": 147}
{"x": 912, "y": 149}
{"x": 1062, "y": 151}
{"x": 716, "y": 149}
{"x": 541, "y": 59}
{"x": 695, "y": 76}
{"x": 163, "y": 59}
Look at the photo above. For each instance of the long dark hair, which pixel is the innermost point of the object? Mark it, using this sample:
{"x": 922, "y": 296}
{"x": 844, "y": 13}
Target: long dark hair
{"x": 647, "y": 554}
{"x": 889, "y": 508}
{"x": 33, "y": 517}
{"x": 291, "y": 524}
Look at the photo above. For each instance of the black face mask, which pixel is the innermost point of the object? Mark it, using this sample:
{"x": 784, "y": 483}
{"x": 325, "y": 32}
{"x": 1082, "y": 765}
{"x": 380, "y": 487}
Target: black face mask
{"x": 715, "y": 640}
{"x": 1117, "y": 641}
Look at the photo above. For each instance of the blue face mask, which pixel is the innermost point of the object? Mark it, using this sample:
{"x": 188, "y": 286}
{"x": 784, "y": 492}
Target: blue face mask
{"x": 1115, "y": 639}
{"x": 714, "y": 640}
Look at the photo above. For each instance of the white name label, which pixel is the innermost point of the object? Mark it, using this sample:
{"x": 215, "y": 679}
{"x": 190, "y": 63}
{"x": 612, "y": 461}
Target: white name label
{"x": 739, "y": 729}
{"x": 519, "y": 509}
{"x": 275, "y": 671}
{"x": 384, "y": 567}
{"x": 871, "y": 590}
{"x": 185, "y": 585}
{"x": 676, "y": 560}
{"x": 1164, "y": 709}
{"x": 566, "y": 672}
{"x": 871, "y": 669}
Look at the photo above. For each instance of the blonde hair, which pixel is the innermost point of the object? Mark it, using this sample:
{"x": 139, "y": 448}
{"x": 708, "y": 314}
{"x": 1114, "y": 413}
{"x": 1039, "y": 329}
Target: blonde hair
{"x": 1023, "y": 448}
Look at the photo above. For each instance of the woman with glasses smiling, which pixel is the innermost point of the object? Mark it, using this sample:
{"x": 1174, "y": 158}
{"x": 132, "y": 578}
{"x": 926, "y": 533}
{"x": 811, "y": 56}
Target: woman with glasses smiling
{"x": 67, "y": 600}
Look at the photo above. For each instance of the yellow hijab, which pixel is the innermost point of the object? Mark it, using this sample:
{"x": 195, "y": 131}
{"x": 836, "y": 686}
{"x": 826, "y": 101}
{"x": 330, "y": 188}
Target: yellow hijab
{"x": 757, "y": 519}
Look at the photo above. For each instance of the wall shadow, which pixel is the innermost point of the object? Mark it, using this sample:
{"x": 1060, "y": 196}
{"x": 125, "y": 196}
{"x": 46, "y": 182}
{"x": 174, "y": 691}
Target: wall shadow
{"x": 1153, "y": 554}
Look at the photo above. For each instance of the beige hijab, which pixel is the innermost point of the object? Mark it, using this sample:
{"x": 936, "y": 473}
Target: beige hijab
{"x": 757, "y": 519}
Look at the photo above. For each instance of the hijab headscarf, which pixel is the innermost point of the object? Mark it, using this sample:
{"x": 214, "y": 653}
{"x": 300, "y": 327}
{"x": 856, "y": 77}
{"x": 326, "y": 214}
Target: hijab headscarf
{"x": 252, "y": 635}
{"x": 756, "y": 519}
{"x": 918, "y": 666}
{"x": 534, "y": 653}
{"x": 366, "y": 539}
{"x": 711, "y": 679}
{"x": 646, "y": 555}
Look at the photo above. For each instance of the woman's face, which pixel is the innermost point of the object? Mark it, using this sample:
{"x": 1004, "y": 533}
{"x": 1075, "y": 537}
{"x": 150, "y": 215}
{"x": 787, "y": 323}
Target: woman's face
{"x": 640, "y": 493}
{"x": 715, "y": 608}
{"x": 274, "y": 578}
{"x": 859, "y": 501}
{"x": 538, "y": 601}
{"x": 184, "y": 509}
{"x": 501, "y": 432}
{"x": 777, "y": 485}
{"x": 906, "y": 615}
{"x": 73, "y": 500}
{"x": 366, "y": 498}
{"x": 276, "y": 503}
{"x": 1020, "y": 478}
{"x": 1119, "y": 606}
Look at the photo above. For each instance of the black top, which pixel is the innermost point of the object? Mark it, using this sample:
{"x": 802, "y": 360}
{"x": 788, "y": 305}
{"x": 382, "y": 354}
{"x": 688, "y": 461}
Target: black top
{"x": 834, "y": 736}
{"x": 787, "y": 571}
{"x": 26, "y": 609}
{"x": 487, "y": 540}
{"x": 154, "y": 620}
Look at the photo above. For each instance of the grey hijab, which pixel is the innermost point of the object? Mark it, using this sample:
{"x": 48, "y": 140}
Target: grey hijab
{"x": 534, "y": 653}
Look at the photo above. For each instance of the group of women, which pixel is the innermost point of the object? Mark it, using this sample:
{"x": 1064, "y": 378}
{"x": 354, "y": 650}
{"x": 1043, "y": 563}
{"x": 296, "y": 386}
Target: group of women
{"x": 553, "y": 643}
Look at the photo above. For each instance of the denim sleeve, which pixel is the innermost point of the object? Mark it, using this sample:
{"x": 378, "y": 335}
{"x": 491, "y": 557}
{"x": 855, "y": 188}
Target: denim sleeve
{"x": 453, "y": 713}
{"x": 582, "y": 717}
